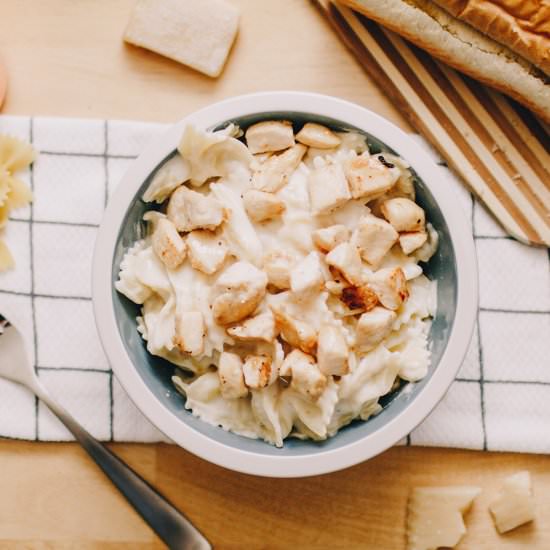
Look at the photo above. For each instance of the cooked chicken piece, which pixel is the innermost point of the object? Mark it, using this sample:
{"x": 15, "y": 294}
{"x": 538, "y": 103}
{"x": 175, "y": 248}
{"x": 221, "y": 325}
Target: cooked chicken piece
{"x": 230, "y": 373}
{"x": 190, "y": 332}
{"x": 403, "y": 214}
{"x": 261, "y": 206}
{"x": 308, "y": 380}
{"x": 359, "y": 298}
{"x": 167, "y": 244}
{"x": 335, "y": 288}
{"x": 207, "y": 251}
{"x": 317, "y": 135}
{"x": 260, "y": 158}
{"x": 277, "y": 265}
{"x": 329, "y": 237}
{"x": 297, "y": 333}
{"x": 345, "y": 258}
{"x": 412, "y": 241}
{"x": 390, "y": 285}
{"x": 332, "y": 351}
{"x": 257, "y": 370}
{"x": 307, "y": 275}
{"x": 368, "y": 177}
{"x": 261, "y": 327}
{"x": 374, "y": 237}
{"x": 237, "y": 292}
{"x": 327, "y": 188}
{"x": 190, "y": 210}
{"x": 274, "y": 172}
{"x": 373, "y": 327}
{"x": 294, "y": 357}
{"x": 270, "y": 135}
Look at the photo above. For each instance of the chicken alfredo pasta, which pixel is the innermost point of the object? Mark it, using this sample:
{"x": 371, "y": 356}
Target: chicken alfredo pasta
{"x": 281, "y": 274}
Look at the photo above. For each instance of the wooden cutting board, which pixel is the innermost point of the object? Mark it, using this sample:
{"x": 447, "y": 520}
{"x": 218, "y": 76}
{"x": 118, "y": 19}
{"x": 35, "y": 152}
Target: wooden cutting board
{"x": 500, "y": 150}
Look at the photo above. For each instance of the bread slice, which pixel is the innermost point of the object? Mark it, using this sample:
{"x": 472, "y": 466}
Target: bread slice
{"x": 197, "y": 33}
{"x": 522, "y": 26}
{"x": 461, "y": 46}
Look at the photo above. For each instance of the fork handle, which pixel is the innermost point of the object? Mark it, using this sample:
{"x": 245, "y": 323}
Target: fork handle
{"x": 168, "y": 523}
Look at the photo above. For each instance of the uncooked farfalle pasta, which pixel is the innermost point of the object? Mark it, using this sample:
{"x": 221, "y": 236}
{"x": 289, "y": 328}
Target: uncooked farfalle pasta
{"x": 15, "y": 155}
{"x": 282, "y": 276}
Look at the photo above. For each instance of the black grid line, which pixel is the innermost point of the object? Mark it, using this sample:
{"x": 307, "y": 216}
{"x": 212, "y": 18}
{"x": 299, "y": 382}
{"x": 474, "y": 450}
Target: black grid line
{"x": 515, "y": 311}
{"x": 479, "y": 342}
{"x": 111, "y": 407}
{"x": 518, "y": 382}
{"x": 87, "y": 155}
{"x": 54, "y": 222}
{"x": 72, "y": 369}
{"x": 49, "y": 296}
{"x": 494, "y": 238}
{"x": 70, "y": 224}
{"x": 105, "y": 200}
{"x": 33, "y": 308}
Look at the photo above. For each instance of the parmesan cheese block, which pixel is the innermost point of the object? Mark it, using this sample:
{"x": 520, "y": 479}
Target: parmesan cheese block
{"x": 514, "y": 505}
{"x": 434, "y": 516}
{"x": 197, "y": 33}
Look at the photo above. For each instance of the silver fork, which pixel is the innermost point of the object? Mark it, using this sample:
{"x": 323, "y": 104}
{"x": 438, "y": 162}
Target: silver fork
{"x": 168, "y": 523}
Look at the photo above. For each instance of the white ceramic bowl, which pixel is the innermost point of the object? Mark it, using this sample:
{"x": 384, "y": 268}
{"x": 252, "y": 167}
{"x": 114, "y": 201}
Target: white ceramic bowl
{"x": 148, "y": 382}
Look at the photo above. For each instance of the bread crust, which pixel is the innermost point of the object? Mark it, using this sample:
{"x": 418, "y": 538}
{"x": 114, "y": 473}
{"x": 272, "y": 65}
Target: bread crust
{"x": 461, "y": 46}
{"x": 522, "y": 25}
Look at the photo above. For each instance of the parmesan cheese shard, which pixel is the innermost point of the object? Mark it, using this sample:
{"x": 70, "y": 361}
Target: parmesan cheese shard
{"x": 434, "y": 516}
{"x": 197, "y": 34}
{"x": 514, "y": 505}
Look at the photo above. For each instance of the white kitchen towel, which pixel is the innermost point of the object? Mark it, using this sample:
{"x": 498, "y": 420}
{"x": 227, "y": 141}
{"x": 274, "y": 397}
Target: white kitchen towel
{"x": 499, "y": 401}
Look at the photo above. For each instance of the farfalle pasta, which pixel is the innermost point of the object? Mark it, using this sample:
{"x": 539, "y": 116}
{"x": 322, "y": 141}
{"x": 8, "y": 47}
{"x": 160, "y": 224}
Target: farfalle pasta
{"x": 15, "y": 155}
{"x": 281, "y": 276}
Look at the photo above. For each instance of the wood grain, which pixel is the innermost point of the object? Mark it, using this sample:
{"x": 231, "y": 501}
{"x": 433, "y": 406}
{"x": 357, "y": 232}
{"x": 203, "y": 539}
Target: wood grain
{"x": 66, "y": 58}
{"x": 463, "y": 120}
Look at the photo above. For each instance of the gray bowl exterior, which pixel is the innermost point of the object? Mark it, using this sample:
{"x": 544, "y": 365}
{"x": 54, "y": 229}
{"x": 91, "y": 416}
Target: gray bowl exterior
{"x": 157, "y": 372}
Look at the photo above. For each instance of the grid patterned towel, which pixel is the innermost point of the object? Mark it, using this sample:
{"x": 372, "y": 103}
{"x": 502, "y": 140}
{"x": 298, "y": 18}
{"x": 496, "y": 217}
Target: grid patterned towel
{"x": 499, "y": 401}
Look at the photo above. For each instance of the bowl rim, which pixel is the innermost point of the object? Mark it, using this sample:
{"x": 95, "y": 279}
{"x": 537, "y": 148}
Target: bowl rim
{"x": 320, "y": 461}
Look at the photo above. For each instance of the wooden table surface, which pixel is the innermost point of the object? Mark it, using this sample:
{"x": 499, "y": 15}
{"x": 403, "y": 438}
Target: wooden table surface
{"x": 66, "y": 57}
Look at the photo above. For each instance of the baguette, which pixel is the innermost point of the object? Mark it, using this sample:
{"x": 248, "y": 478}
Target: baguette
{"x": 461, "y": 46}
{"x": 522, "y": 26}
